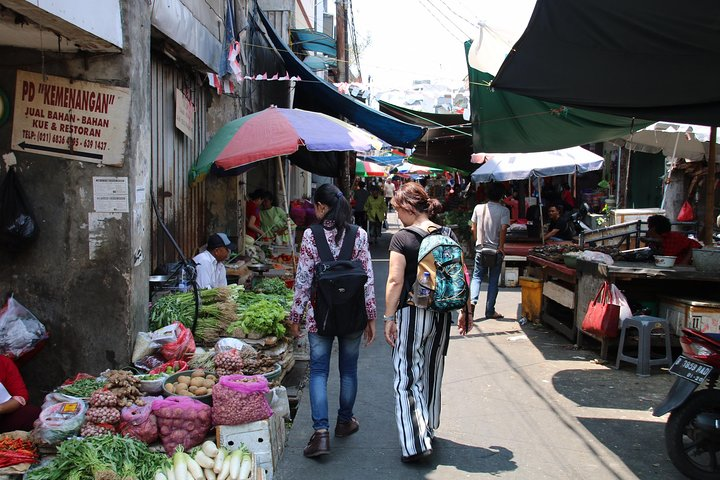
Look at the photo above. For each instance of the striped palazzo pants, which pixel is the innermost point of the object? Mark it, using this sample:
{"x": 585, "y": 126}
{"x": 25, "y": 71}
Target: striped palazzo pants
{"x": 419, "y": 360}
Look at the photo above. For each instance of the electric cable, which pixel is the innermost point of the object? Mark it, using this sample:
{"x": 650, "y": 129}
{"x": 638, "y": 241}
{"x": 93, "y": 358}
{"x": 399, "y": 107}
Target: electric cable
{"x": 440, "y": 23}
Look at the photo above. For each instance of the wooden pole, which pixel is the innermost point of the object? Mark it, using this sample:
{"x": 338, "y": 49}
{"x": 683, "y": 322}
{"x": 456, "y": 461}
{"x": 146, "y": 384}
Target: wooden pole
{"x": 710, "y": 190}
{"x": 281, "y": 170}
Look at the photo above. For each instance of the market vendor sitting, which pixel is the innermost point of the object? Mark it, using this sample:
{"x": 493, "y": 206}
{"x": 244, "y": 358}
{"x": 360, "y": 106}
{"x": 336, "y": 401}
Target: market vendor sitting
{"x": 15, "y": 412}
{"x": 559, "y": 229}
{"x": 274, "y": 220}
{"x": 209, "y": 264}
{"x": 675, "y": 244}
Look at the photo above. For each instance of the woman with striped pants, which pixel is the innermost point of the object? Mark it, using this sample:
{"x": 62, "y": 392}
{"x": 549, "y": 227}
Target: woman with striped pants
{"x": 419, "y": 337}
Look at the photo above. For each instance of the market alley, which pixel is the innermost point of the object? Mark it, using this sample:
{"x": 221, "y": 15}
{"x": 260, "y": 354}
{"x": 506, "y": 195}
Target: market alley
{"x": 518, "y": 402}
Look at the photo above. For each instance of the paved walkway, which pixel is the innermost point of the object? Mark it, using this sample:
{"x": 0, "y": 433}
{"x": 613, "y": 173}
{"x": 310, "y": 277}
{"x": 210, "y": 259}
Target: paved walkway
{"x": 518, "y": 402}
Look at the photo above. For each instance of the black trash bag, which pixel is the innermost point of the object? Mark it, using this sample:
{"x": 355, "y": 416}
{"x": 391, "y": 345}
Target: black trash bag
{"x": 18, "y": 227}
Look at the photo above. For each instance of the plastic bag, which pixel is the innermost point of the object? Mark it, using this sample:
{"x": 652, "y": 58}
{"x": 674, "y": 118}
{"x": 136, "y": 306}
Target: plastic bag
{"x": 175, "y": 365}
{"x": 59, "y": 422}
{"x": 182, "y": 421}
{"x": 239, "y": 399}
{"x": 618, "y": 298}
{"x": 597, "y": 257}
{"x": 686, "y": 213}
{"x": 183, "y": 345}
{"x": 279, "y": 402}
{"x": 139, "y": 422}
{"x": 20, "y": 330}
{"x": 18, "y": 227}
{"x": 148, "y": 343}
{"x": 229, "y": 343}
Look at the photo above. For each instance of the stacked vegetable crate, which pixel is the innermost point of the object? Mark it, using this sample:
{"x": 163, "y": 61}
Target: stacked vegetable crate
{"x": 264, "y": 438}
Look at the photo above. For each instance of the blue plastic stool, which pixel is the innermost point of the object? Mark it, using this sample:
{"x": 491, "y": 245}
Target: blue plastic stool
{"x": 645, "y": 325}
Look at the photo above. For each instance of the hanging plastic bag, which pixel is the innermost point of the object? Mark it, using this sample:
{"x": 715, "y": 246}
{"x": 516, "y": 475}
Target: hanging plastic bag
{"x": 686, "y": 213}
{"x": 619, "y": 299}
{"x": 279, "y": 402}
{"x": 20, "y": 330}
{"x": 18, "y": 227}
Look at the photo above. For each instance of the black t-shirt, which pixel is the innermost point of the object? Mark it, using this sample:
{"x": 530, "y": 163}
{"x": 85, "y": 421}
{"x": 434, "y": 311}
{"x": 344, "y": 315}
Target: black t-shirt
{"x": 563, "y": 228}
{"x": 407, "y": 243}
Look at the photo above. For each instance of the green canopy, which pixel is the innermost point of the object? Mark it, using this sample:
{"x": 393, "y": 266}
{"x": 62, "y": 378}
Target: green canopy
{"x": 440, "y": 167}
{"x": 504, "y": 122}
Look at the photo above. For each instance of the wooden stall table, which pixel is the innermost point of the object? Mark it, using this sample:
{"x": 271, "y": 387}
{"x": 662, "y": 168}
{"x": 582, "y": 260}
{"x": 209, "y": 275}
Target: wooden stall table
{"x": 639, "y": 281}
{"x": 559, "y": 285}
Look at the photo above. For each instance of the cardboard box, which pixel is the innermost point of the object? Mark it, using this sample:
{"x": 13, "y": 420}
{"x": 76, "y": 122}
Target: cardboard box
{"x": 700, "y": 315}
{"x": 510, "y": 277}
{"x": 264, "y": 438}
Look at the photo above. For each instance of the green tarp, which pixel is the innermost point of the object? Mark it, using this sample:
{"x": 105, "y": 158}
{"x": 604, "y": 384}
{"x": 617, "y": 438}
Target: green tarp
{"x": 504, "y": 122}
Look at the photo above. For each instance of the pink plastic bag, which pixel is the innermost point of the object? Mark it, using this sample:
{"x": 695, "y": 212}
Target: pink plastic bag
{"x": 239, "y": 399}
{"x": 139, "y": 422}
{"x": 184, "y": 345}
{"x": 182, "y": 421}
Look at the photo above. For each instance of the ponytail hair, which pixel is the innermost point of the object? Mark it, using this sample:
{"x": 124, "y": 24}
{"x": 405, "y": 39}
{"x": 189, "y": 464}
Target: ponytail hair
{"x": 412, "y": 196}
{"x": 339, "y": 213}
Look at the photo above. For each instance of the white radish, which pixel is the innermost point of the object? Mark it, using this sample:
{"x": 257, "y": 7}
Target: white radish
{"x": 245, "y": 466}
{"x": 210, "y": 449}
{"x": 225, "y": 471}
{"x": 195, "y": 470}
{"x": 160, "y": 476}
{"x": 180, "y": 466}
{"x": 203, "y": 460}
{"x": 169, "y": 473}
{"x": 219, "y": 460}
{"x": 235, "y": 461}
{"x": 209, "y": 474}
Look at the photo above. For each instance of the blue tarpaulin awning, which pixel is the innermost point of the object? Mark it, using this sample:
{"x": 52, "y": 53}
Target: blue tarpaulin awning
{"x": 319, "y": 95}
{"x": 314, "y": 41}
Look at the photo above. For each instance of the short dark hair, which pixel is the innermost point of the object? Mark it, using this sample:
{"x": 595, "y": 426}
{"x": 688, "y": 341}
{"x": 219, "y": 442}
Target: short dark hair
{"x": 495, "y": 191}
{"x": 256, "y": 194}
{"x": 659, "y": 223}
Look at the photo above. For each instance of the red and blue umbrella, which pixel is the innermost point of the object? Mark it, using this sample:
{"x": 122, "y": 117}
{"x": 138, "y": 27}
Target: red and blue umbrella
{"x": 275, "y": 132}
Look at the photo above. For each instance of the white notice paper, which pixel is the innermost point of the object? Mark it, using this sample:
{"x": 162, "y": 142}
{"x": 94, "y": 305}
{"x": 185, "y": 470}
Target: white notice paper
{"x": 110, "y": 194}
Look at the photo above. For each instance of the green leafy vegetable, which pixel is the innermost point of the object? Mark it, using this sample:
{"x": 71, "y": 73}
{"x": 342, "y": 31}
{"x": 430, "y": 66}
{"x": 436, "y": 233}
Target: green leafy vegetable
{"x": 82, "y": 388}
{"x": 262, "y": 316}
{"x": 89, "y": 458}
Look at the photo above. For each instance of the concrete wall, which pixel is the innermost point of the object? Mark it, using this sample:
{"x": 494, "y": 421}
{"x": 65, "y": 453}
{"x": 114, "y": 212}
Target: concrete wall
{"x": 92, "y": 308}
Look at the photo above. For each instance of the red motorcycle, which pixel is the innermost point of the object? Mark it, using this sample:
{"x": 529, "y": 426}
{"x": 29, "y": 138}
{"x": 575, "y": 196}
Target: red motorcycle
{"x": 692, "y": 433}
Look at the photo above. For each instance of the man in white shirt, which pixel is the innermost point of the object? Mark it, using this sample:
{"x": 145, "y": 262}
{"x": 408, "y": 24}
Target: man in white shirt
{"x": 210, "y": 268}
{"x": 389, "y": 192}
{"x": 490, "y": 222}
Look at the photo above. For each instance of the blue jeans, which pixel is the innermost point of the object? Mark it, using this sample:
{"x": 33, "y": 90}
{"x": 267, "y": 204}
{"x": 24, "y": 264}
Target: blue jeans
{"x": 320, "y": 351}
{"x": 493, "y": 280}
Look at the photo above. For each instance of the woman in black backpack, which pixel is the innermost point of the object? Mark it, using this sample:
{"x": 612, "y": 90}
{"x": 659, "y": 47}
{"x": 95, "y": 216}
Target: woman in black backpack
{"x": 333, "y": 211}
{"x": 419, "y": 336}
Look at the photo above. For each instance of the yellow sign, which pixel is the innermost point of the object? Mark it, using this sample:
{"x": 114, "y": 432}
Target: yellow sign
{"x": 77, "y": 120}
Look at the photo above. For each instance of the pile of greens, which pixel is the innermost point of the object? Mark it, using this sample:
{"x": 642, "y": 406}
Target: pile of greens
{"x": 261, "y": 315}
{"x": 108, "y": 457}
{"x": 273, "y": 286}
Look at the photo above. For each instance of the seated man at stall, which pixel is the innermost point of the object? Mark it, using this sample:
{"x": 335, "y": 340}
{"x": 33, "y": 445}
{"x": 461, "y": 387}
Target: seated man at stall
{"x": 675, "y": 244}
{"x": 559, "y": 229}
{"x": 15, "y": 411}
{"x": 209, "y": 264}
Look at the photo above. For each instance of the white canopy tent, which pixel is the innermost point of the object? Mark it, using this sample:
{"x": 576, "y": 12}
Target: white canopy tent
{"x": 502, "y": 167}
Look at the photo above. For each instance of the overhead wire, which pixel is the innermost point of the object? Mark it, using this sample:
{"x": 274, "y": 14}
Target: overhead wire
{"x": 461, "y": 17}
{"x": 353, "y": 35}
{"x": 442, "y": 12}
{"x": 452, "y": 33}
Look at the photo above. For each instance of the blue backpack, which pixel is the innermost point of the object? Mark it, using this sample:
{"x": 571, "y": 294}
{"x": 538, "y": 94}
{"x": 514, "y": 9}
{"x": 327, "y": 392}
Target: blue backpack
{"x": 442, "y": 257}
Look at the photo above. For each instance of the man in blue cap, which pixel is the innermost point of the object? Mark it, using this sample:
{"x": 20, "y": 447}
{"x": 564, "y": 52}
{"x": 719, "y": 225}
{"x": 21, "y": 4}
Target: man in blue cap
{"x": 210, "y": 268}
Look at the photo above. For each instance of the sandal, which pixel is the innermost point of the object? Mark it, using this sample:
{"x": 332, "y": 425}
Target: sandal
{"x": 495, "y": 316}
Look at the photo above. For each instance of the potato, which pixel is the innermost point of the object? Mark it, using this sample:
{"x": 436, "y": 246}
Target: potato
{"x": 197, "y": 382}
{"x": 170, "y": 387}
{"x": 192, "y": 389}
{"x": 180, "y": 387}
{"x": 198, "y": 373}
{"x": 184, "y": 379}
{"x": 186, "y": 393}
{"x": 208, "y": 383}
{"x": 211, "y": 377}
{"x": 201, "y": 391}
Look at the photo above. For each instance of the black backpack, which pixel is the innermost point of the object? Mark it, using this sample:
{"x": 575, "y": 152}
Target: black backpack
{"x": 338, "y": 287}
